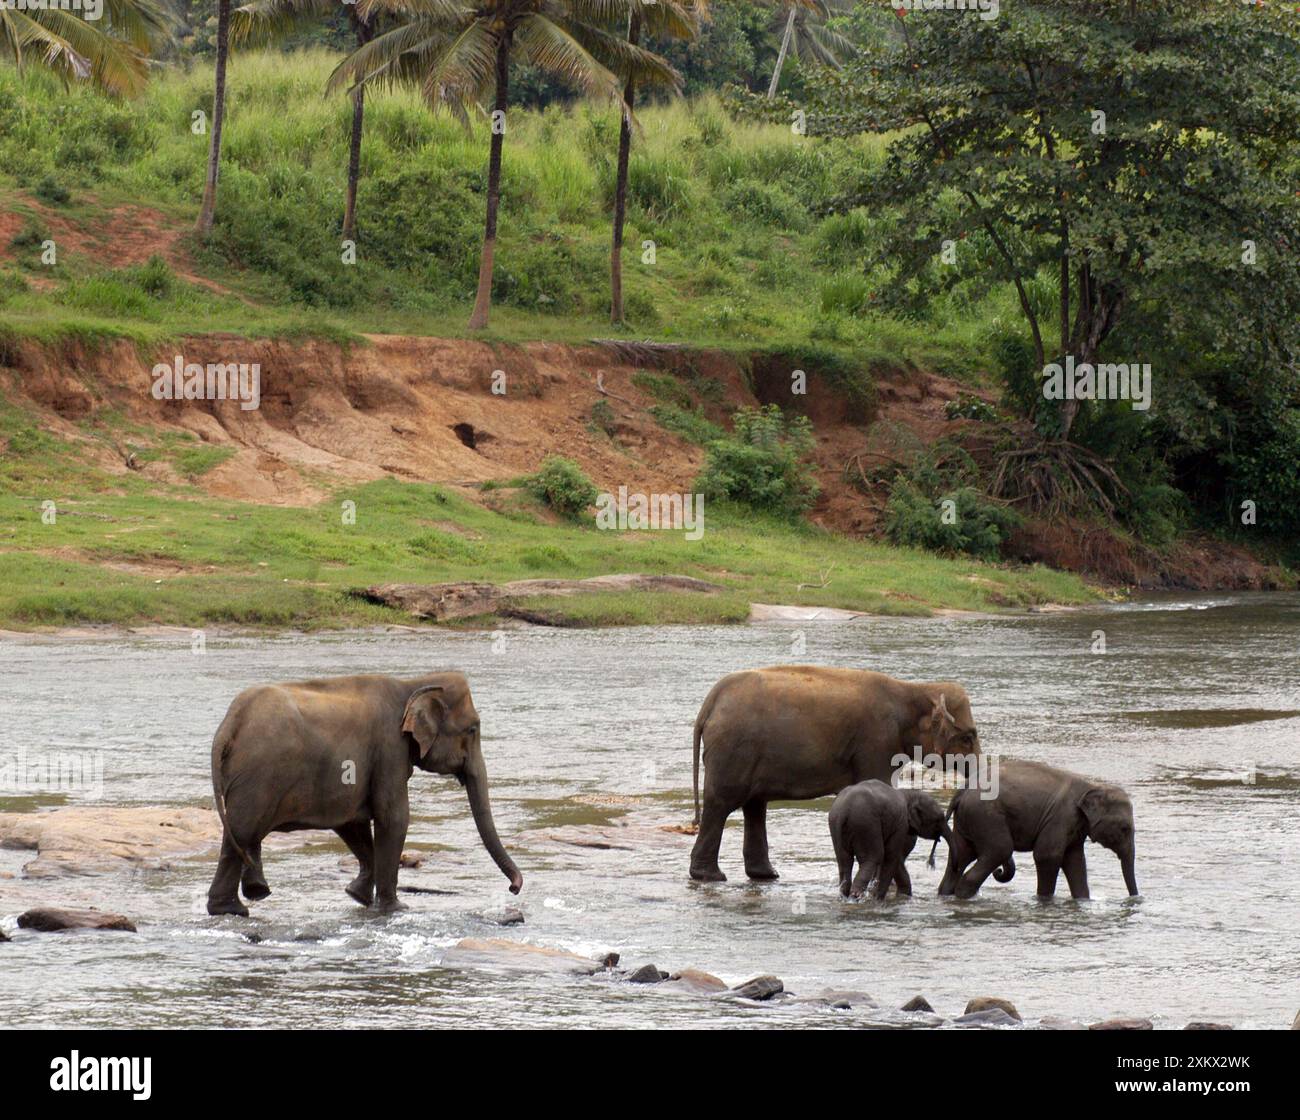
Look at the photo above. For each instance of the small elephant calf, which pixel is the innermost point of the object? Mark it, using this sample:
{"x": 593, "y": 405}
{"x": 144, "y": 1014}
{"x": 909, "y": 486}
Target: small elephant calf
{"x": 878, "y": 825}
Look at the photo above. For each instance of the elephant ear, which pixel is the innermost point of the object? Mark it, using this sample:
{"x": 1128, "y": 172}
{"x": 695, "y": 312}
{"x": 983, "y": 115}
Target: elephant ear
{"x": 1093, "y": 805}
{"x": 424, "y": 715}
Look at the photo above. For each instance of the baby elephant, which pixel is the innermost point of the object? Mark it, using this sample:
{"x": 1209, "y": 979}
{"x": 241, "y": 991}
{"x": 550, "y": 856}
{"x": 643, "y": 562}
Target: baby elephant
{"x": 878, "y": 825}
{"x": 1038, "y": 809}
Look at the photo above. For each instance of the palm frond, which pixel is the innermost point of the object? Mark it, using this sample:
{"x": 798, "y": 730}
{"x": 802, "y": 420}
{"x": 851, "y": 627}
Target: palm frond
{"x": 549, "y": 46}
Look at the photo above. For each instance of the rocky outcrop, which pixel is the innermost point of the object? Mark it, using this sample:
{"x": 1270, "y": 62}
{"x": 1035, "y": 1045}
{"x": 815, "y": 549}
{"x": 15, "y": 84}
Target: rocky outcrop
{"x": 759, "y": 988}
{"x": 917, "y": 1003}
{"x": 85, "y": 839}
{"x": 54, "y": 920}
{"x": 1122, "y": 1025}
{"x": 440, "y": 602}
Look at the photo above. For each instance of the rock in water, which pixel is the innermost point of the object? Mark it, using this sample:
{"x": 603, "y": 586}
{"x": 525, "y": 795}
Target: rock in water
{"x": 760, "y": 988}
{"x": 646, "y": 974}
{"x": 54, "y": 920}
{"x": 1122, "y": 1025}
{"x": 1295, "y": 1026}
{"x": 693, "y": 980}
{"x": 988, "y": 1017}
{"x": 506, "y": 916}
{"x": 984, "y": 1003}
{"x": 411, "y": 860}
{"x": 917, "y": 1003}
{"x": 1208, "y": 1027}
{"x": 499, "y": 953}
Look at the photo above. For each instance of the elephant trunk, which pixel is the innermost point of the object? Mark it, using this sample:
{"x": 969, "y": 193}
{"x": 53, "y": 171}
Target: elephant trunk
{"x": 945, "y": 834}
{"x": 1126, "y": 859}
{"x": 476, "y": 788}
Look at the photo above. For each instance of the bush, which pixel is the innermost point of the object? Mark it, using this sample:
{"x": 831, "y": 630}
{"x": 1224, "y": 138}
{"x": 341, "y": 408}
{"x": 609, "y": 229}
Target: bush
{"x": 937, "y": 505}
{"x": 562, "y": 486}
{"x": 50, "y": 190}
{"x": 760, "y": 465}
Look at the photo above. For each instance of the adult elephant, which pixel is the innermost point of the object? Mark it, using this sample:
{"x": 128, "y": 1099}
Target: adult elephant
{"x": 795, "y": 732}
{"x": 338, "y": 754}
{"x": 1043, "y": 810}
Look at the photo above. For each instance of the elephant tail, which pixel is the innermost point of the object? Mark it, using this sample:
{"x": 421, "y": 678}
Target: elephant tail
{"x": 1007, "y": 871}
{"x": 220, "y": 752}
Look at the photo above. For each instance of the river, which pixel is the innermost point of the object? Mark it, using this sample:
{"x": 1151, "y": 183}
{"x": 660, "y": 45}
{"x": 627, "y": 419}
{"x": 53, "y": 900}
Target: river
{"x": 1194, "y": 707}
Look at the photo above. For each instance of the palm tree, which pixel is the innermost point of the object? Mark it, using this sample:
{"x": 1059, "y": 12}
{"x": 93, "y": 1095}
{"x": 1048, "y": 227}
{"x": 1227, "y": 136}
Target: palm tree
{"x": 806, "y": 32}
{"x": 677, "y": 19}
{"x": 208, "y": 211}
{"x": 263, "y": 20}
{"x": 115, "y": 56}
{"x": 461, "y": 52}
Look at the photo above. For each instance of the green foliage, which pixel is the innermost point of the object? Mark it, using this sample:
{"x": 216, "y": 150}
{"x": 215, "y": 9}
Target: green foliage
{"x": 50, "y": 190}
{"x": 938, "y": 505}
{"x": 761, "y": 465}
{"x": 562, "y": 485}
{"x": 602, "y": 418}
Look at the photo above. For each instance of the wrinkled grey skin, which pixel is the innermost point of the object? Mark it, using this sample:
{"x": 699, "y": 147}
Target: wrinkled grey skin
{"x": 877, "y": 824}
{"x": 338, "y": 754}
{"x": 796, "y": 732}
{"x": 1043, "y": 810}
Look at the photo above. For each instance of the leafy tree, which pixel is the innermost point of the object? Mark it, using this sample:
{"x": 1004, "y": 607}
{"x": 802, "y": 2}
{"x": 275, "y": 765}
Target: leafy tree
{"x": 115, "y": 56}
{"x": 761, "y": 464}
{"x": 1098, "y": 157}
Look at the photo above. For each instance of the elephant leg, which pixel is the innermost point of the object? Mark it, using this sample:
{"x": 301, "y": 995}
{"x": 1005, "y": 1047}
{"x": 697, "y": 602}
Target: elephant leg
{"x": 960, "y": 854}
{"x": 390, "y": 835}
{"x": 903, "y": 880}
{"x": 357, "y": 836}
{"x": 867, "y": 869}
{"x": 969, "y": 884}
{"x": 1048, "y": 868}
{"x": 223, "y": 897}
{"x": 844, "y": 861}
{"x": 704, "y": 856}
{"x": 871, "y": 855}
{"x": 757, "y": 864}
{"x": 1076, "y": 871}
{"x": 253, "y": 879}
{"x": 885, "y": 878}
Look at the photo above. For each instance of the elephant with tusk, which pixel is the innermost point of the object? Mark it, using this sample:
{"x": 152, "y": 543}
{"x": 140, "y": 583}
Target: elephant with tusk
{"x": 795, "y": 732}
{"x": 337, "y": 754}
{"x": 1043, "y": 810}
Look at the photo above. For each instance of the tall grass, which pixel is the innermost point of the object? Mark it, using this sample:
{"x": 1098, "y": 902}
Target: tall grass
{"x": 737, "y": 213}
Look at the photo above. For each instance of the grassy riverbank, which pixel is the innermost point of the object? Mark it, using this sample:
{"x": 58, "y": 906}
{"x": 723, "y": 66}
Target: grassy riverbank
{"x": 134, "y": 556}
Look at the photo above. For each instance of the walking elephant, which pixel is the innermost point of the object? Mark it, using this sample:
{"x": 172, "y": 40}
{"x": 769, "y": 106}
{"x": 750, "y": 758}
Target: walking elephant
{"x": 796, "y": 732}
{"x": 877, "y": 824}
{"x": 338, "y": 754}
{"x": 1043, "y": 810}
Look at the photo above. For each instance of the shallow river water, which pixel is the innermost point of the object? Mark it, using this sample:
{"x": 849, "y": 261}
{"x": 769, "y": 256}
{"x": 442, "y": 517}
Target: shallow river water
{"x": 1194, "y": 707}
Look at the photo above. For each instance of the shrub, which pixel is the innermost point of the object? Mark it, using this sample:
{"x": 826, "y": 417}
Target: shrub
{"x": 50, "y": 190}
{"x": 760, "y": 465}
{"x": 561, "y": 485}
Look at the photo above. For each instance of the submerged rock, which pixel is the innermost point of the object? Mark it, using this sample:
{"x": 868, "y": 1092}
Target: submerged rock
{"x": 989, "y": 1017}
{"x": 759, "y": 988}
{"x": 840, "y": 998}
{"x": 646, "y": 974}
{"x": 501, "y": 953}
{"x": 1199, "y": 1026}
{"x": 53, "y": 920}
{"x": 984, "y": 1003}
{"x": 886, "y": 1020}
{"x": 1059, "y": 1023}
{"x": 917, "y": 1003}
{"x": 1122, "y": 1025}
{"x": 85, "y": 839}
{"x": 506, "y": 916}
{"x": 693, "y": 980}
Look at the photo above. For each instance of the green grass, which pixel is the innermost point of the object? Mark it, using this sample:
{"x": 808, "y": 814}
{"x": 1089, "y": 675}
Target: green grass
{"x": 736, "y": 212}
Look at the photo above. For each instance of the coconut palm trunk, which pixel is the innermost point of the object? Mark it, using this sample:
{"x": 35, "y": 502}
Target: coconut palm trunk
{"x": 780, "y": 58}
{"x": 483, "y": 300}
{"x": 620, "y": 186}
{"x": 208, "y": 211}
{"x": 364, "y": 32}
